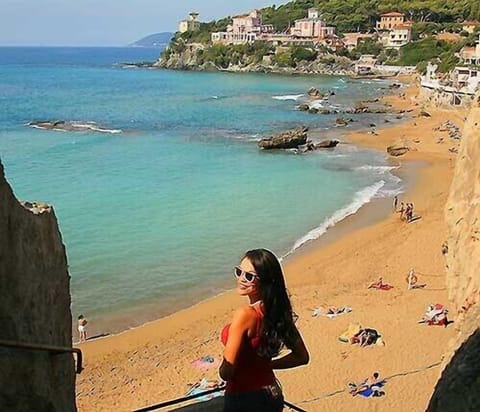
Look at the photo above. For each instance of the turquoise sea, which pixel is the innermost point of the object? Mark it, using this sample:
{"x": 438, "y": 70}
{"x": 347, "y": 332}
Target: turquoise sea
{"x": 156, "y": 211}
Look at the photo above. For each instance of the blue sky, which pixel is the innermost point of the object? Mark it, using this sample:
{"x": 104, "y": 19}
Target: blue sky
{"x": 103, "y": 22}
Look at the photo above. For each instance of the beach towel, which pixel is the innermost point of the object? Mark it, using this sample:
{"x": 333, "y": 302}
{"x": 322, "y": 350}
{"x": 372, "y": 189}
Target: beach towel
{"x": 383, "y": 286}
{"x": 206, "y": 362}
{"x": 331, "y": 314}
{"x": 353, "y": 330}
{"x": 369, "y": 391}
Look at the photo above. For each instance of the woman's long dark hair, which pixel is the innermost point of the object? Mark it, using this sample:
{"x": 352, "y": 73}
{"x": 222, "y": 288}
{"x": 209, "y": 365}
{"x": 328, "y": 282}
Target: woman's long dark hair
{"x": 278, "y": 327}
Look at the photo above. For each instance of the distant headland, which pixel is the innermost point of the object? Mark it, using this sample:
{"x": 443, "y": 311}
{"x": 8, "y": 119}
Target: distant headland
{"x": 157, "y": 40}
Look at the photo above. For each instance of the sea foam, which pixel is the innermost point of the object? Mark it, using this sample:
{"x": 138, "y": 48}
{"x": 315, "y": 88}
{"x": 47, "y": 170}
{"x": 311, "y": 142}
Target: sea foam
{"x": 288, "y": 97}
{"x": 361, "y": 198}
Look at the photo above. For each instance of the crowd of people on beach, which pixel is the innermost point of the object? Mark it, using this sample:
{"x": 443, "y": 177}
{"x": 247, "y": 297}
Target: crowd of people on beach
{"x": 405, "y": 209}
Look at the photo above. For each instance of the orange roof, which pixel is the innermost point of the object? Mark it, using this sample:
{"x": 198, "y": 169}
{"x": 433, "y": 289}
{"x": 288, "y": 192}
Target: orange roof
{"x": 393, "y": 14}
{"x": 470, "y": 23}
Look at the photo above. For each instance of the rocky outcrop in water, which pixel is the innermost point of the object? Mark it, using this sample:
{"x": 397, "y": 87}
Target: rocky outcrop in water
{"x": 327, "y": 144}
{"x": 34, "y": 307}
{"x": 290, "y": 139}
{"x": 71, "y": 126}
{"x": 458, "y": 390}
{"x": 397, "y": 150}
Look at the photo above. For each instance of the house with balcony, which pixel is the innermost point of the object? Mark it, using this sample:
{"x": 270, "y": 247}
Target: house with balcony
{"x": 397, "y": 36}
{"x": 312, "y": 27}
{"x": 245, "y": 28}
{"x": 395, "y": 31}
{"x": 190, "y": 24}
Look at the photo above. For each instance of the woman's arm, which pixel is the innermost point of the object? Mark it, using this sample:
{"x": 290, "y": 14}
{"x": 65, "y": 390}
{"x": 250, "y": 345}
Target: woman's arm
{"x": 297, "y": 357}
{"x": 242, "y": 321}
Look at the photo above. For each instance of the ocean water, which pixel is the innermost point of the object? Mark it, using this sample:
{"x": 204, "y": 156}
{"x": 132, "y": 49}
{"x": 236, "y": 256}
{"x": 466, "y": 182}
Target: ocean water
{"x": 157, "y": 209}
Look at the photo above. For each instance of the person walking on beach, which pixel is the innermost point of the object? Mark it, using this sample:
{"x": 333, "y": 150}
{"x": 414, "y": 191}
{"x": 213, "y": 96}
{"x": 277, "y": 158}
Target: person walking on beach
{"x": 257, "y": 333}
{"x": 410, "y": 215}
{"x": 401, "y": 210}
{"x": 395, "y": 203}
{"x": 411, "y": 279}
{"x": 82, "y": 328}
{"x": 408, "y": 212}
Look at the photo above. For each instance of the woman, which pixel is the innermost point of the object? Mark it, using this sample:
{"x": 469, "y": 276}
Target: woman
{"x": 82, "y": 328}
{"x": 257, "y": 333}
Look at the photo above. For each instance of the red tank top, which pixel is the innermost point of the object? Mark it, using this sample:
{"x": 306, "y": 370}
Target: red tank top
{"x": 252, "y": 372}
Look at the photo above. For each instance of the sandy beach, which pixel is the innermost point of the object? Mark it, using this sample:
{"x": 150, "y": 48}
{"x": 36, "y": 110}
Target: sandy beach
{"x": 153, "y": 363}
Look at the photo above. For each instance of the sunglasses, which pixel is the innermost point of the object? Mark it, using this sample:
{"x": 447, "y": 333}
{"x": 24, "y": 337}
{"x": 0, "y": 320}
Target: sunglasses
{"x": 248, "y": 276}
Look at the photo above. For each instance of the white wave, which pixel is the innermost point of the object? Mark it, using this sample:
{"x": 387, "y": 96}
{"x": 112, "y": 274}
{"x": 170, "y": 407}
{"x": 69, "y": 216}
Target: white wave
{"x": 361, "y": 198}
{"x": 288, "y": 97}
{"x": 94, "y": 127}
{"x": 317, "y": 104}
{"x": 380, "y": 169}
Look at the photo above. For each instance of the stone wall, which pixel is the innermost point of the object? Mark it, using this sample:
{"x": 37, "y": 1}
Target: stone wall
{"x": 459, "y": 387}
{"x": 34, "y": 308}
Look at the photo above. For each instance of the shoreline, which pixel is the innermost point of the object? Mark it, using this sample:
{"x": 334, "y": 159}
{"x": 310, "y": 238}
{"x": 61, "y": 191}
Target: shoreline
{"x": 124, "y": 370}
{"x": 372, "y": 211}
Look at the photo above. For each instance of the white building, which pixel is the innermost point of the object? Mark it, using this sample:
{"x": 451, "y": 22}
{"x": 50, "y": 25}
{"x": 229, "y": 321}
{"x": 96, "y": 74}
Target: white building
{"x": 397, "y": 37}
{"x": 190, "y": 24}
{"x": 458, "y": 88}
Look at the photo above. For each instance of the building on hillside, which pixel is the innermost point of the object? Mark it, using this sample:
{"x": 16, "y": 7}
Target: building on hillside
{"x": 190, "y": 24}
{"x": 245, "y": 28}
{"x": 470, "y": 26}
{"x": 312, "y": 27}
{"x": 352, "y": 40}
{"x": 395, "y": 31}
{"x": 471, "y": 55}
{"x": 390, "y": 20}
{"x": 397, "y": 37}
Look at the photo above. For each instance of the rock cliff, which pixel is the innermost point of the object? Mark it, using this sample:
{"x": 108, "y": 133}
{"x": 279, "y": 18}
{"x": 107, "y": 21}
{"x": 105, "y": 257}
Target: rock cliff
{"x": 459, "y": 387}
{"x": 191, "y": 58}
{"x": 34, "y": 308}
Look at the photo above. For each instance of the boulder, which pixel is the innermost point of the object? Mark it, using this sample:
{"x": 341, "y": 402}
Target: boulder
{"x": 313, "y": 110}
{"x": 304, "y": 107}
{"x": 326, "y": 144}
{"x": 315, "y": 93}
{"x": 290, "y": 139}
{"x": 324, "y": 111}
{"x": 397, "y": 150}
{"x": 341, "y": 121}
{"x": 359, "y": 106}
{"x": 424, "y": 114}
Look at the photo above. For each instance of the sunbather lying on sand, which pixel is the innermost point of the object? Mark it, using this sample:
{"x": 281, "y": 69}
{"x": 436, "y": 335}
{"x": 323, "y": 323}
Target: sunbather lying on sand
{"x": 330, "y": 311}
{"x": 435, "y": 315}
{"x": 379, "y": 284}
{"x": 369, "y": 387}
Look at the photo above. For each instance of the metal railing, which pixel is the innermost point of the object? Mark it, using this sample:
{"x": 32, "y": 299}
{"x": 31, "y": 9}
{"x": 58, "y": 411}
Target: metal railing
{"x": 55, "y": 350}
{"x": 198, "y": 395}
